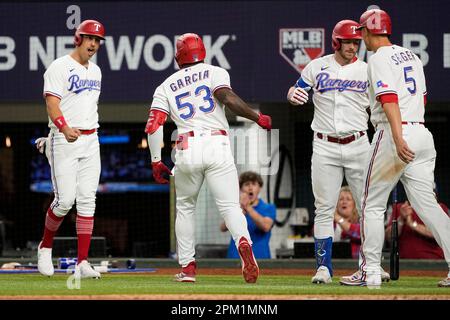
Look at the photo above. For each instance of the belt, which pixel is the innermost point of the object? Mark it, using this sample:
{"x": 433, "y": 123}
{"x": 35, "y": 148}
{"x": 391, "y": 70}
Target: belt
{"x": 344, "y": 140}
{"x": 90, "y": 131}
{"x": 412, "y": 122}
{"x": 213, "y": 133}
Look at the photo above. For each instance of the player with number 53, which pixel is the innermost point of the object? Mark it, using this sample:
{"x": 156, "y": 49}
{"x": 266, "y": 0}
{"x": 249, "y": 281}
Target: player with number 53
{"x": 195, "y": 97}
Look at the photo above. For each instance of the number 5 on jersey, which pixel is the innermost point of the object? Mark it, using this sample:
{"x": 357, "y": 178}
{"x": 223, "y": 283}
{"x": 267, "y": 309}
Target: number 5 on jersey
{"x": 188, "y": 108}
{"x": 409, "y": 79}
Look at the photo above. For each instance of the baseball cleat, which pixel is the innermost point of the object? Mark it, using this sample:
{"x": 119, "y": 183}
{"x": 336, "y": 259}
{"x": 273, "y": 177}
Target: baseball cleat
{"x": 250, "y": 269}
{"x": 187, "y": 273}
{"x": 85, "y": 270}
{"x": 322, "y": 276}
{"x": 373, "y": 280}
{"x": 385, "y": 277}
{"x": 356, "y": 279}
{"x": 45, "y": 264}
{"x": 444, "y": 283}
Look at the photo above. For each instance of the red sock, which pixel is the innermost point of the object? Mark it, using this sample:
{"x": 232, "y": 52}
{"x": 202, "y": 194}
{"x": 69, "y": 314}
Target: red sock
{"x": 52, "y": 224}
{"x": 84, "y": 233}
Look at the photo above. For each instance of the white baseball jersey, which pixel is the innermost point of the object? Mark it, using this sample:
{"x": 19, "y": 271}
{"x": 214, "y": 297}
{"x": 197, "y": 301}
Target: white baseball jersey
{"x": 78, "y": 88}
{"x": 394, "y": 69}
{"x": 340, "y": 95}
{"x": 188, "y": 96}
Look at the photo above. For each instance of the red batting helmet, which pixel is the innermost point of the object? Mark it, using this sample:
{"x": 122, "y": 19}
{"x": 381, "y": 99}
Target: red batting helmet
{"x": 377, "y": 21}
{"x": 345, "y": 29}
{"x": 89, "y": 27}
{"x": 190, "y": 49}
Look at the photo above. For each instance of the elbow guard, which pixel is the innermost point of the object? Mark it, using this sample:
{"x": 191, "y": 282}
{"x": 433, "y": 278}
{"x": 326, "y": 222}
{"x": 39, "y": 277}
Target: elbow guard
{"x": 156, "y": 119}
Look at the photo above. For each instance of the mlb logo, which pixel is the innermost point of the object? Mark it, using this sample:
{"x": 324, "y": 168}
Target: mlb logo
{"x": 380, "y": 84}
{"x": 301, "y": 45}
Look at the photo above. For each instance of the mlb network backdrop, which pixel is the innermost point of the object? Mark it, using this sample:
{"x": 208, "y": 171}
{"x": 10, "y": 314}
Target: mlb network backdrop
{"x": 265, "y": 46}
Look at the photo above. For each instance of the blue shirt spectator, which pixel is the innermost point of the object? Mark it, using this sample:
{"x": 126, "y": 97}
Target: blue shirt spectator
{"x": 260, "y": 216}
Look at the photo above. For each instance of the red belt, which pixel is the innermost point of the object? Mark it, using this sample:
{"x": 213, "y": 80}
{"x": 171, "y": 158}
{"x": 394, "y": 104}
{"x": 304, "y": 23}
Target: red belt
{"x": 90, "y": 131}
{"x": 213, "y": 133}
{"x": 344, "y": 140}
{"x": 412, "y": 122}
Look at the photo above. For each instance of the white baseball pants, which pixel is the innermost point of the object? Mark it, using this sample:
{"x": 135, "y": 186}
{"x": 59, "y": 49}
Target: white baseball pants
{"x": 384, "y": 170}
{"x": 329, "y": 164}
{"x": 207, "y": 157}
{"x": 75, "y": 170}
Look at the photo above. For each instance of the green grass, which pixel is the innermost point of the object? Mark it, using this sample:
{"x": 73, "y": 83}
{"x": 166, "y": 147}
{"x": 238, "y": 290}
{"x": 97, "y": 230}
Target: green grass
{"x": 34, "y": 284}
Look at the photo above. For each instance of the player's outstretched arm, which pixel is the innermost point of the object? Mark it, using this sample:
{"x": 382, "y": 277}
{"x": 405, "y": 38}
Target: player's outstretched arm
{"x": 227, "y": 97}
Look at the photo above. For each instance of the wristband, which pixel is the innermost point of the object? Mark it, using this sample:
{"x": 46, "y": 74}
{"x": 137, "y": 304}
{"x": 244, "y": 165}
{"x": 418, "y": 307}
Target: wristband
{"x": 60, "y": 122}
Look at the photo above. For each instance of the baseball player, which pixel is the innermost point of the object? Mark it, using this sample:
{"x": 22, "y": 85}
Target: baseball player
{"x": 72, "y": 86}
{"x": 402, "y": 147}
{"x": 340, "y": 143}
{"x": 195, "y": 98}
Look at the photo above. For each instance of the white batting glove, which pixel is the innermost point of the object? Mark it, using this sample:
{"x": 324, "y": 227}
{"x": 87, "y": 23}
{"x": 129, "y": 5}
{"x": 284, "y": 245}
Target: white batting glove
{"x": 297, "y": 96}
{"x": 40, "y": 144}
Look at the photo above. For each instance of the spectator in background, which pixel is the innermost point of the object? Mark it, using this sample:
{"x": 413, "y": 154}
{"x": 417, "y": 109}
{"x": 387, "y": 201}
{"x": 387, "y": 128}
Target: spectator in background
{"x": 415, "y": 240}
{"x": 260, "y": 216}
{"x": 347, "y": 226}
{"x": 346, "y": 221}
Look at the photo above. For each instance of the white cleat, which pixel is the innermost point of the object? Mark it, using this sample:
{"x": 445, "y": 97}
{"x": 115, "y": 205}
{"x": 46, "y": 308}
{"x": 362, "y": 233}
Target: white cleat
{"x": 385, "y": 277}
{"x": 85, "y": 270}
{"x": 373, "y": 280}
{"x": 444, "y": 283}
{"x": 322, "y": 276}
{"x": 45, "y": 264}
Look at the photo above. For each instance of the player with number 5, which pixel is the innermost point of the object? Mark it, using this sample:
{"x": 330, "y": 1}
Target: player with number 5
{"x": 195, "y": 98}
{"x": 402, "y": 147}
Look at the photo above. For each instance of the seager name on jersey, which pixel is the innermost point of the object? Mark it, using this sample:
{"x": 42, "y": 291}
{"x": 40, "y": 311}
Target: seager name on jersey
{"x": 402, "y": 57}
{"x": 77, "y": 85}
{"x": 325, "y": 83}
{"x": 189, "y": 79}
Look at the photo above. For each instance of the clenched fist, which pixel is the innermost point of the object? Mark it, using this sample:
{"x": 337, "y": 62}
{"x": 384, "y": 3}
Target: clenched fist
{"x": 264, "y": 121}
{"x": 297, "y": 96}
{"x": 71, "y": 134}
{"x": 158, "y": 169}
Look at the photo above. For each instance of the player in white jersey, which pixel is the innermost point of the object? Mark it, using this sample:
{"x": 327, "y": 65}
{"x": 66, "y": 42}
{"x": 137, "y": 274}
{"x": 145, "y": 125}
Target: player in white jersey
{"x": 402, "y": 147}
{"x": 195, "y": 98}
{"x": 72, "y": 86}
{"x": 340, "y": 143}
